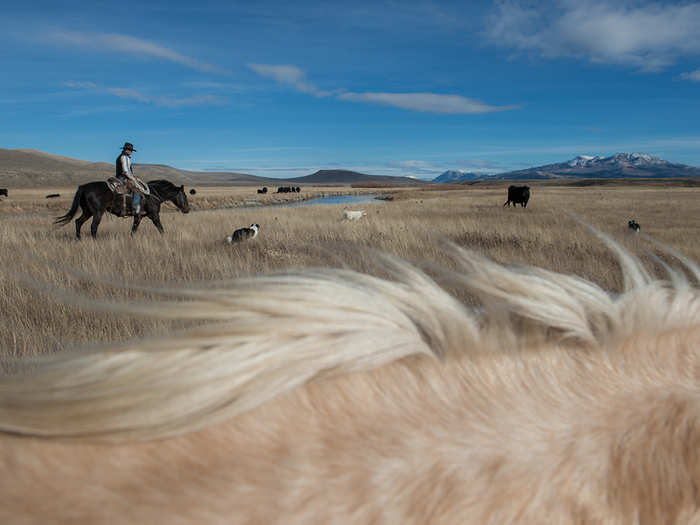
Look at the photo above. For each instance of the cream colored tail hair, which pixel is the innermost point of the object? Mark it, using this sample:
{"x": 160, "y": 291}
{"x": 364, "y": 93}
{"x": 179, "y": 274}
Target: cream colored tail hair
{"x": 275, "y": 333}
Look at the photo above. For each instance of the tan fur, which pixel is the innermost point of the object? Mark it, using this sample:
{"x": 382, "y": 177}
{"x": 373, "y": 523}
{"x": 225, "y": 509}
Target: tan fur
{"x": 336, "y": 397}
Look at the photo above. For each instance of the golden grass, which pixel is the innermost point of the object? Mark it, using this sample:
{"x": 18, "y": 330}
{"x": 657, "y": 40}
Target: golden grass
{"x": 37, "y": 319}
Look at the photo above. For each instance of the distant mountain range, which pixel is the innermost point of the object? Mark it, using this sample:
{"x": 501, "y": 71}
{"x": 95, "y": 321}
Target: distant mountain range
{"x": 632, "y": 165}
{"x": 32, "y": 168}
{"x": 28, "y": 168}
{"x": 457, "y": 176}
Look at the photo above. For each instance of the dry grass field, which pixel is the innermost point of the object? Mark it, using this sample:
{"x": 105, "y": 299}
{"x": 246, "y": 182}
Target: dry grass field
{"x": 44, "y": 302}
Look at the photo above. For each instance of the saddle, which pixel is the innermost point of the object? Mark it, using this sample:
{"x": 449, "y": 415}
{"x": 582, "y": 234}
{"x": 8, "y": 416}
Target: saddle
{"x": 123, "y": 197}
{"x": 117, "y": 186}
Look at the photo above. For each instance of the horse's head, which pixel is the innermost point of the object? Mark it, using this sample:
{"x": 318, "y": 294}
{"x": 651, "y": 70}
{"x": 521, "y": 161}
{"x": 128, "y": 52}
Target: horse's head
{"x": 180, "y": 200}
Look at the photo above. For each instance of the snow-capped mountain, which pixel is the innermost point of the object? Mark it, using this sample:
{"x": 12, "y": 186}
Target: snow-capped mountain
{"x": 619, "y": 159}
{"x": 629, "y": 165}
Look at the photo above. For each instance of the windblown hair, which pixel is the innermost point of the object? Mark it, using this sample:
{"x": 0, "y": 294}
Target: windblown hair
{"x": 332, "y": 396}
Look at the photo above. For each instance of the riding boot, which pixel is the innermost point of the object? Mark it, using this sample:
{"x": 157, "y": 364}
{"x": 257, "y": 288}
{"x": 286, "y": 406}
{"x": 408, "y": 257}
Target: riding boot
{"x": 137, "y": 209}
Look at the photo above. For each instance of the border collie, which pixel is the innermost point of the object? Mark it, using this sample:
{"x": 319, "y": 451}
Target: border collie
{"x": 634, "y": 225}
{"x": 243, "y": 234}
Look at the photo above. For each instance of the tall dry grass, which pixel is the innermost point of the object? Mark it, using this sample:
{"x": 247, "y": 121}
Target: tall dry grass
{"x": 40, "y": 313}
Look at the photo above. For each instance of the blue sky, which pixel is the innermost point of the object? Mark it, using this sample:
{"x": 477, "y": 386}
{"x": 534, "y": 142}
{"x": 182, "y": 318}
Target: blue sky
{"x": 393, "y": 88}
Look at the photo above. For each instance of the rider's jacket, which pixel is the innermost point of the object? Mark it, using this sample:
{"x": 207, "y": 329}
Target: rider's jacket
{"x": 124, "y": 167}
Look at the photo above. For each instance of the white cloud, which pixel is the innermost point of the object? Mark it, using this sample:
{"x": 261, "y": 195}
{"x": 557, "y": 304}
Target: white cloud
{"x": 647, "y": 36}
{"x": 80, "y": 85}
{"x": 693, "y": 75}
{"x": 289, "y": 75}
{"x": 416, "y": 167}
{"x": 222, "y": 86}
{"x": 415, "y": 164}
{"x": 130, "y": 45}
{"x": 128, "y": 93}
{"x": 426, "y": 102}
{"x": 168, "y": 101}
{"x": 158, "y": 100}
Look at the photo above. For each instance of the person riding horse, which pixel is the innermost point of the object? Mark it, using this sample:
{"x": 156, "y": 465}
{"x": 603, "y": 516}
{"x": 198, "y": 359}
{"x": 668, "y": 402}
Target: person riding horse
{"x": 125, "y": 174}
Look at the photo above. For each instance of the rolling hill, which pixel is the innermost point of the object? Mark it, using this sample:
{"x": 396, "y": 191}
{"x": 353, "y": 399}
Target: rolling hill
{"x": 28, "y": 168}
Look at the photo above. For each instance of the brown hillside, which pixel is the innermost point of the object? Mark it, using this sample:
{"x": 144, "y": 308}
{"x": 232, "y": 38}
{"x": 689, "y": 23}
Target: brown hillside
{"x": 27, "y": 168}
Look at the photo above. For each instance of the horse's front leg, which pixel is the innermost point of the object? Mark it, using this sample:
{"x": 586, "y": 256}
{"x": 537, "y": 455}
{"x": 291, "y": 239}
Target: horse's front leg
{"x": 135, "y": 226}
{"x": 156, "y": 221}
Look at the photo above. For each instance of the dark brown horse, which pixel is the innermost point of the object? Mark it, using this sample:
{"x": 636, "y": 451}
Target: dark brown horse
{"x": 95, "y": 198}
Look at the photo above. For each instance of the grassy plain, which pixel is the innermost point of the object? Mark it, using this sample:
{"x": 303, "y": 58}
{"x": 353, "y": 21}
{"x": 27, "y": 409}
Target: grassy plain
{"x": 39, "y": 312}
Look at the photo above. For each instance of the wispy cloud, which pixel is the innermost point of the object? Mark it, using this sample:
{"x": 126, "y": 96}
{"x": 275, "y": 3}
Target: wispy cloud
{"x": 289, "y": 75}
{"x": 414, "y": 164}
{"x": 94, "y": 111}
{"x": 644, "y": 35}
{"x": 128, "y": 93}
{"x": 423, "y": 102}
{"x": 159, "y": 100}
{"x": 169, "y": 101}
{"x": 481, "y": 165}
{"x": 416, "y": 167}
{"x": 222, "y": 86}
{"x": 131, "y": 45}
{"x": 426, "y": 102}
{"x": 693, "y": 75}
{"x": 80, "y": 85}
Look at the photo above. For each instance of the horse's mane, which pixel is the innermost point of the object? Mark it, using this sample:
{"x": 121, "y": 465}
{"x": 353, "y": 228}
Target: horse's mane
{"x": 163, "y": 187}
{"x": 273, "y": 334}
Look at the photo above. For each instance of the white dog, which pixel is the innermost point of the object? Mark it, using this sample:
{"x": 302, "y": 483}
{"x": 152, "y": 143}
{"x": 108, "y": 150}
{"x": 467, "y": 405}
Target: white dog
{"x": 353, "y": 215}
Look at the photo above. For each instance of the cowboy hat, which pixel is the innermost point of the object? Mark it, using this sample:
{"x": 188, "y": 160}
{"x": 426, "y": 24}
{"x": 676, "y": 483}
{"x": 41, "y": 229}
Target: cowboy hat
{"x": 128, "y": 146}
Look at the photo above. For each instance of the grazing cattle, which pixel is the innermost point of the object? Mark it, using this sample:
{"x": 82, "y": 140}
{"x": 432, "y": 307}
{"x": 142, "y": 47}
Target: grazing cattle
{"x": 634, "y": 225}
{"x": 193, "y": 191}
{"x": 263, "y": 190}
{"x": 518, "y": 195}
{"x": 353, "y": 215}
{"x": 3, "y": 191}
{"x": 331, "y": 396}
{"x": 53, "y": 195}
{"x": 243, "y": 234}
{"x": 297, "y": 189}
{"x": 288, "y": 189}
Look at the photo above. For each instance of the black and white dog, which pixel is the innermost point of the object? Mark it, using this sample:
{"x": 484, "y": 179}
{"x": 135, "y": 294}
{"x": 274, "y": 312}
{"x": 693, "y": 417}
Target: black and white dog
{"x": 634, "y": 225}
{"x": 243, "y": 234}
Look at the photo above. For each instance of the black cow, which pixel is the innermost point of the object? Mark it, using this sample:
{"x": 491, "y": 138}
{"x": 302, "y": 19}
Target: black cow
{"x": 297, "y": 189}
{"x": 53, "y": 195}
{"x": 264, "y": 190}
{"x": 193, "y": 192}
{"x": 285, "y": 189}
{"x": 3, "y": 191}
{"x": 518, "y": 195}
